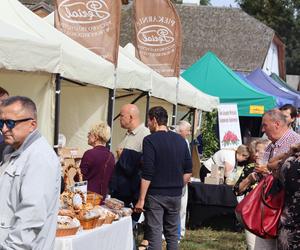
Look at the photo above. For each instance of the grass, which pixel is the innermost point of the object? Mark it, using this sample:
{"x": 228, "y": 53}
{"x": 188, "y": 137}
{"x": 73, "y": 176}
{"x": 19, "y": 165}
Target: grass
{"x": 208, "y": 239}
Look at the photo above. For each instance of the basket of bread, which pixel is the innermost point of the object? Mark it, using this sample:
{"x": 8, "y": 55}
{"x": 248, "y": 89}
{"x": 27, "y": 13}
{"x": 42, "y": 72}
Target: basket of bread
{"x": 88, "y": 218}
{"x": 67, "y": 223}
{"x": 93, "y": 198}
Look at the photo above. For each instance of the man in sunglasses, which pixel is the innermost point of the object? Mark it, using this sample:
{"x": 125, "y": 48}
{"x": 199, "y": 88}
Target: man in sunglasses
{"x": 29, "y": 180}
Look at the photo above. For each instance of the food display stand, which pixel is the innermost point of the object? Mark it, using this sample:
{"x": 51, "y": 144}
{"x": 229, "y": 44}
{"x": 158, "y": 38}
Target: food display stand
{"x": 211, "y": 206}
{"x": 115, "y": 236}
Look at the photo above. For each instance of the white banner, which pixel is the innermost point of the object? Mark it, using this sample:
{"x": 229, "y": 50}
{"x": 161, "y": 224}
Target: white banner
{"x": 229, "y": 126}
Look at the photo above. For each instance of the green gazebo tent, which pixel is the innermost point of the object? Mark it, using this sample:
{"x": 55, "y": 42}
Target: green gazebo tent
{"x": 212, "y": 76}
{"x": 283, "y": 83}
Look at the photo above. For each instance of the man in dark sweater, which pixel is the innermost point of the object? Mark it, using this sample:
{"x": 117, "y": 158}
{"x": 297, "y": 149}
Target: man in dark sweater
{"x": 167, "y": 168}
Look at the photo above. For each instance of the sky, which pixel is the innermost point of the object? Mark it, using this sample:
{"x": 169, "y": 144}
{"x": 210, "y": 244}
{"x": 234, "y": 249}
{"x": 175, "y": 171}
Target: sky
{"x": 223, "y": 3}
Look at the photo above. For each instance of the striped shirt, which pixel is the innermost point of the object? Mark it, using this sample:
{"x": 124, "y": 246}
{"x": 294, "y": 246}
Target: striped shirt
{"x": 282, "y": 145}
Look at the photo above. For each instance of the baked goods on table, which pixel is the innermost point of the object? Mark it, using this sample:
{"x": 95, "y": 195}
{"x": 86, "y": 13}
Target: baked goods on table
{"x": 66, "y": 225}
{"x": 88, "y": 218}
{"x": 126, "y": 211}
{"x": 85, "y": 209}
{"x": 66, "y": 212}
{"x": 114, "y": 203}
{"x": 93, "y": 198}
{"x": 72, "y": 200}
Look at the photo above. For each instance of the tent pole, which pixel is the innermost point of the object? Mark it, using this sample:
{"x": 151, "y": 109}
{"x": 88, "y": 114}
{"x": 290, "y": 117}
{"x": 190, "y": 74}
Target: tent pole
{"x": 174, "y": 115}
{"x": 147, "y": 109}
{"x": 175, "y": 107}
{"x": 57, "y": 110}
{"x": 111, "y": 107}
{"x": 193, "y": 122}
{"x": 110, "y": 103}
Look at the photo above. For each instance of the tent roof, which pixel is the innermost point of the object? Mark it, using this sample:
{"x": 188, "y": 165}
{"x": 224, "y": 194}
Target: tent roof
{"x": 187, "y": 94}
{"x": 132, "y": 74}
{"x": 283, "y": 83}
{"x": 266, "y": 90}
{"x": 213, "y": 77}
{"x": 14, "y": 58}
{"x": 240, "y": 40}
{"x": 263, "y": 81}
{"x": 75, "y": 62}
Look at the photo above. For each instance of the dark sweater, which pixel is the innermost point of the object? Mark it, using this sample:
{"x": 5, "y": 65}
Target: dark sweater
{"x": 166, "y": 158}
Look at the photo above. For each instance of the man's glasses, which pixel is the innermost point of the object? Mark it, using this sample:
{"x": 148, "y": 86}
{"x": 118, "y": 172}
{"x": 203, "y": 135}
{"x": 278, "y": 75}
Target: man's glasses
{"x": 10, "y": 124}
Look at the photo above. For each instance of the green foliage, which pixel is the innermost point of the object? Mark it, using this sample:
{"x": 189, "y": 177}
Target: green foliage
{"x": 284, "y": 17}
{"x": 209, "y": 138}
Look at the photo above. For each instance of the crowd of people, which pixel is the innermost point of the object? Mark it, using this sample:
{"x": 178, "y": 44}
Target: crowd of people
{"x": 149, "y": 172}
{"x": 151, "y": 182}
{"x": 277, "y": 154}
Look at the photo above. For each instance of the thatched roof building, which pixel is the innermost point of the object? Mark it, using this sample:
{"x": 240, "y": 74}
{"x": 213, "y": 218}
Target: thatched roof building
{"x": 238, "y": 39}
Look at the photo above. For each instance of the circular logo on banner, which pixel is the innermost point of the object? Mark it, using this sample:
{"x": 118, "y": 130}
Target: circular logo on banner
{"x": 85, "y": 13}
{"x": 155, "y": 35}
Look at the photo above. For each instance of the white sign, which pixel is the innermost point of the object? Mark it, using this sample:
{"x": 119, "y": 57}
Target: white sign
{"x": 83, "y": 12}
{"x": 229, "y": 126}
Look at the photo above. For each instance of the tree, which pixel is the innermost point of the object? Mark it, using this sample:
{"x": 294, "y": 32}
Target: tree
{"x": 284, "y": 17}
{"x": 208, "y": 132}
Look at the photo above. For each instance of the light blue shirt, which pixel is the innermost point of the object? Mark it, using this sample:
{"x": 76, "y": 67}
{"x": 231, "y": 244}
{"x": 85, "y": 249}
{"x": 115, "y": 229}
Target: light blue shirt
{"x": 29, "y": 196}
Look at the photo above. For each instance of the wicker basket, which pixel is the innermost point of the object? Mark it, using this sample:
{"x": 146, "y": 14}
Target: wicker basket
{"x": 93, "y": 198}
{"x": 100, "y": 221}
{"x": 60, "y": 232}
{"x": 89, "y": 223}
{"x": 109, "y": 219}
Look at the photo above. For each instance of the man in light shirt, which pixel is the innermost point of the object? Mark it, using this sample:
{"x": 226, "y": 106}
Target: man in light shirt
{"x": 184, "y": 129}
{"x": 125, "y": 182}
{"x": 29, "y": 180}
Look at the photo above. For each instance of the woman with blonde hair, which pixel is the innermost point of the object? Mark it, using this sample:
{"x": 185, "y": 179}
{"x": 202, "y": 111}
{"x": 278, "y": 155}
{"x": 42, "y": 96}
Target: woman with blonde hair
{"x": 229, "y": 158}
{"x": 98, "y": 163}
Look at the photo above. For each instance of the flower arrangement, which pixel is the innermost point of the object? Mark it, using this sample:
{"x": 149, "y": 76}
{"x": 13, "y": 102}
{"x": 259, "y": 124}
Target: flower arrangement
{"x": 230, "y": 139}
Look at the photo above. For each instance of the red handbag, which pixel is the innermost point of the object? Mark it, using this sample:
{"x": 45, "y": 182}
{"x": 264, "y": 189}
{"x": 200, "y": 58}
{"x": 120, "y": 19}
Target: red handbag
{"x": 260, "y": 210}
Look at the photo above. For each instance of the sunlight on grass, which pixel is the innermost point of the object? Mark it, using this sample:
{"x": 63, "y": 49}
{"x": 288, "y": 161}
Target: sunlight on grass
{"x": 208, "y": 239}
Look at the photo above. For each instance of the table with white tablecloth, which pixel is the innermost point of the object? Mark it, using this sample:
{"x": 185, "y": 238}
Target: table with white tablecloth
{"x": 115, "y": 236}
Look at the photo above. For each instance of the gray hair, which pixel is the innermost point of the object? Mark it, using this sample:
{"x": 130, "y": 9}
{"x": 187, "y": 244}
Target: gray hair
{"x": 276, "y": 115}
{"x": 182, "y": 125}
{"x": 26, "y": 103}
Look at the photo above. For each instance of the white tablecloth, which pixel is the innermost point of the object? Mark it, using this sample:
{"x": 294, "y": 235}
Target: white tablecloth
{"x": 115, "y": 236}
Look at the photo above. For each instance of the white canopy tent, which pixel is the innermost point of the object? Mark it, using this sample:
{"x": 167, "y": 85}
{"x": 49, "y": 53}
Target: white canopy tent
{"x": 135, "y": 75}
{"x": 76, "y": 62}
{"x": 39, "y": 87}
{"x": 17, "y": 47}
{"x": 163, "y": 93}
{"x": 69, "y": 59}
{"x": 187, "y": 95}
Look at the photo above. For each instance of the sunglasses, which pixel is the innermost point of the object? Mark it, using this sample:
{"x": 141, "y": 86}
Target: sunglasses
{"x": 10, "y": 124}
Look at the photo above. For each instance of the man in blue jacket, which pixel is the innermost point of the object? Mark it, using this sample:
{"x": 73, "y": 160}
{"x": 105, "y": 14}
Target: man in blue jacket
{"x": 167, "y": 167}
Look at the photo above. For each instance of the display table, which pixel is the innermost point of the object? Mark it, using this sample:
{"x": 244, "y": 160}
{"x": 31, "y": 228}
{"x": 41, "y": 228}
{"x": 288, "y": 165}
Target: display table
{"x": 115, "y": 236}
{"x": 211, "y": 205}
